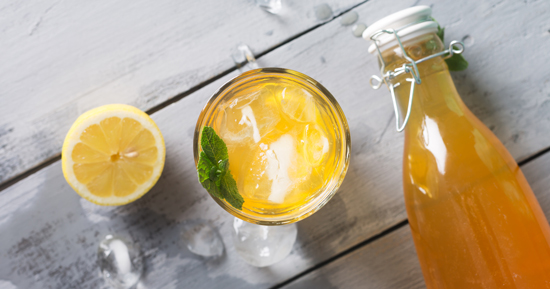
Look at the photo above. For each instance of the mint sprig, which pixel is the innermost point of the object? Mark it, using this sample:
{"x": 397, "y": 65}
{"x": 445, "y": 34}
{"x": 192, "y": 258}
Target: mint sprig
{"x": 213, "y": 169}
{"x": 457, "y": 62}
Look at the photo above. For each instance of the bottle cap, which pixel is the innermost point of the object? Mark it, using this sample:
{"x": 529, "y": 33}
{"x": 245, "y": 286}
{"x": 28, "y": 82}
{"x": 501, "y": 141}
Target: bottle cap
{"x": 408, "y": 23}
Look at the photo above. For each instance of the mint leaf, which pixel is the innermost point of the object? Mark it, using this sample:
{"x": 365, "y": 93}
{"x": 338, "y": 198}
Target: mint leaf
{"x": 203, "y": 170}
{"x": 212, "y": 188}
{"x": 213, "y": 146}
{"x": 204, "y": 167}
{"x": 457, "y": 62}
{"x": 230, "y": 191}
{"x": 213, "y": 169}
{"x": 440, "y": 31}
{"x": 224, "y": 165}
{"x": 216, "y": 175}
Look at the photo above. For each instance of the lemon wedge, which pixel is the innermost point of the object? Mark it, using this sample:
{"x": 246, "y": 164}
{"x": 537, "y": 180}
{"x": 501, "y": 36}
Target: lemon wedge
{"x": 113, "y": 154}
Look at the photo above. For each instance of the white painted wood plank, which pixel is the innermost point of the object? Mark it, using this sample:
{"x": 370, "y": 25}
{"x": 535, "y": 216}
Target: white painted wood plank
{"x": 538, "y": 177}
{"x": 387, "y": 263}
{"x": 369, "y": 201}
{"x": 61, "y": 58}
{"x": 391, "y": 261}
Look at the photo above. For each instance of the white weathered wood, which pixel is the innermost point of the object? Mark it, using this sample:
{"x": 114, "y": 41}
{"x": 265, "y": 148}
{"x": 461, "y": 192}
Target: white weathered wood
{"x": 61, "y": 58}
{"x": 387, "y": 263}
{"x": 391, "y": 261}
{"x": 538, "y": 177}
{"x": 49, "y": 224}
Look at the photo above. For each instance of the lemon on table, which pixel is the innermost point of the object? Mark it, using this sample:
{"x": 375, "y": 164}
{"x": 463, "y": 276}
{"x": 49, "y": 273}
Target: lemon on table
{"x": 113, "y": 154}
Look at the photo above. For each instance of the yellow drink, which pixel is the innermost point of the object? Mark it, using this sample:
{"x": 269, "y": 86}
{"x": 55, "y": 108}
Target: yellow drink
{"x": 287, "y": 142}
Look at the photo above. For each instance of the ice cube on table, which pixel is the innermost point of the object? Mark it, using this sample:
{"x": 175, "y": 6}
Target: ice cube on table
{"x": 271, "y": 6}
{"x": 202, "y": 239}
{"x": 120, "y": 262}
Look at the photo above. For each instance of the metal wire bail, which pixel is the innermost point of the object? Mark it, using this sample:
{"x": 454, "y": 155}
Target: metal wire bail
{"x": 456, "y": 47}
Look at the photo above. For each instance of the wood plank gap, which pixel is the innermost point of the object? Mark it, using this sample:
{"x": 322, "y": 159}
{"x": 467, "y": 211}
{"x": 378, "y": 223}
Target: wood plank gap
{"x": 533, "y": 157}
{"x": 28, "y": 173}
{"x": 343, "y": 253}
{"x": 190, "y": 91}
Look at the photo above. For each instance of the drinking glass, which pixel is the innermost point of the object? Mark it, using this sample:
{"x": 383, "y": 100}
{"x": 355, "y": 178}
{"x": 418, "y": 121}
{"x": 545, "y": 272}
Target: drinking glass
{"x": 265, "y": 230}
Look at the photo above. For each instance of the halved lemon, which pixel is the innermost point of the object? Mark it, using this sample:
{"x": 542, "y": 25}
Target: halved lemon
{"x": 113, "y": 154}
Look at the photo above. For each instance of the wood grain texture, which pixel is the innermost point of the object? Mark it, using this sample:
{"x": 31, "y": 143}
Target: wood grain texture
{"x": 391, "y": 261}
{"x": 53, "y": 233}
{"x": 62, "y": 58}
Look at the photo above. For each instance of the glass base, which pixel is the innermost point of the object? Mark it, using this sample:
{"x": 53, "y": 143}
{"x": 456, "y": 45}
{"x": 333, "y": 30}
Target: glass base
{"x": 262, "y": 246}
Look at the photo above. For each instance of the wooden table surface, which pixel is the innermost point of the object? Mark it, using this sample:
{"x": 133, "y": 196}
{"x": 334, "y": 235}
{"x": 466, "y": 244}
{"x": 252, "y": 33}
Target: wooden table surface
{"x": 167, "y": 57}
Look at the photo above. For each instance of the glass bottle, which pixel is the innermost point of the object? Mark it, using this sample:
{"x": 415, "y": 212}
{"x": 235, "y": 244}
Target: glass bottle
{"x": 474, "y": 219}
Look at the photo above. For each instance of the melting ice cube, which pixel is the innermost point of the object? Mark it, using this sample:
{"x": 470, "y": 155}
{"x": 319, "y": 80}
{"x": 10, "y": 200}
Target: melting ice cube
{"x": 120, "y": 262}
{"x": 202, "y": 239}
{"x": 250, "y": 117}
{"x": 279, "y": 157}
{"x": 315, "y": 145}
{"x": 298, "y": 104}
{"x": 271, "y": 6}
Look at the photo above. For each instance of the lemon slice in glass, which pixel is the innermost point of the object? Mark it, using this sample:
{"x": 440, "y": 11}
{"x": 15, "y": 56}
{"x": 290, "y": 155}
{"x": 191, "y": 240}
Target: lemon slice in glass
{"x": 113, "y": 154}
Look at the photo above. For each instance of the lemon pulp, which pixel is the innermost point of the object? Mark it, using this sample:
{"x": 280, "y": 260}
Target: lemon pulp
{"x": 113, "y": 154}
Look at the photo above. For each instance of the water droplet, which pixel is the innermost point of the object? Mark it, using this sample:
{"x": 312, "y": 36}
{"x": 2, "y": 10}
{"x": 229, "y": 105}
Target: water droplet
{"x": 358, "y": 29}
{"x": 271, "y": 6}
{"x": 262, "y": 246}
{"x": 120, "y": 262}
{"x": 202, "y": 239}
{"x": 468, "y": 40}
{"x": 349, "y": 18}
{"x": 323, "y": 12}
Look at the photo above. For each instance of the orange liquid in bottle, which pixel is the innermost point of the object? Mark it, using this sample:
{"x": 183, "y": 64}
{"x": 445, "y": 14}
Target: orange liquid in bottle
{"x": 475, "y": 221}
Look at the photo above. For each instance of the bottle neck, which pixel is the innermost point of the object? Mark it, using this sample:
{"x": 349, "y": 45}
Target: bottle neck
{"x": 436, "y": 95}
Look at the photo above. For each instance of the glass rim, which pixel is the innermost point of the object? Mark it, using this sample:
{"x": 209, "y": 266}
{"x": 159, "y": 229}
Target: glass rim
{"x": 316, "y": 203}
